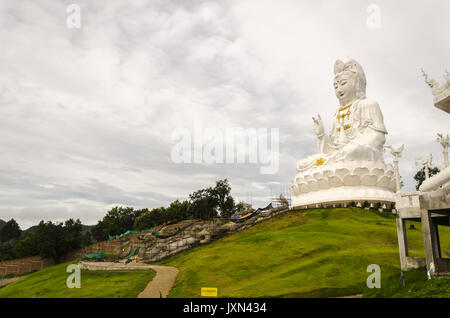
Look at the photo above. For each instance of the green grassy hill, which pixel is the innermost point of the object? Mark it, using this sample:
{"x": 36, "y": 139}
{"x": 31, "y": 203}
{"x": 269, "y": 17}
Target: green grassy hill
{"x": 51, "y": 283}
{"x": 307, "y": 253}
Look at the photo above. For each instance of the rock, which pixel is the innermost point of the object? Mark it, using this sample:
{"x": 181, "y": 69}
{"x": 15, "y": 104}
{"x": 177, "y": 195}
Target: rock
{"x": 204, "y": 236}
{"x": 191, "y": 240}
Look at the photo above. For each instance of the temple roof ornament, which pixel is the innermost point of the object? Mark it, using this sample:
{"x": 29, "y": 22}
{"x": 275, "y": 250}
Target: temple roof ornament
{"x": 445, "y": 142}
{"x": 440, "y": 91}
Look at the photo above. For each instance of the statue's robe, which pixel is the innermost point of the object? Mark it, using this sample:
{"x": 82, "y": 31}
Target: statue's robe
{"x": 358, "y": 133}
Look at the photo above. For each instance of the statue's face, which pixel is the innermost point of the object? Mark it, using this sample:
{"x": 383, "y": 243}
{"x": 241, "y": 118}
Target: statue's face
{"x": 344, "y": 87}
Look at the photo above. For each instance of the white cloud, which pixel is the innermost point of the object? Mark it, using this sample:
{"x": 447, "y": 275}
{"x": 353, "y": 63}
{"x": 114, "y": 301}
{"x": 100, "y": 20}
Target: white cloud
{"x": 86, "y": 114}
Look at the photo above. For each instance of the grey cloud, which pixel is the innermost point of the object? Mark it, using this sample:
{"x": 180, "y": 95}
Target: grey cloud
{"x": 86, "y": 115}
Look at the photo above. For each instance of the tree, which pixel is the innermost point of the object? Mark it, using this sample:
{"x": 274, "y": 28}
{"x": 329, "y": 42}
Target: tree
{"x": 203, "y": 204}
{"x": 86, "y": 239}
{"x": 73, "y": 238}
{"x": 211, "y": 202}
{"x": 27, "y": 246}
{"x": 177, "y": 210}
{"x": 98, "y": 232}
{"x": 54, "y": 240}
{"x": 7, "y": 252}
{"x": 10, "y": 231}
{"x": 420, "y": 175}
{"x": 48, "y": 240}
{"x": 49, "y": 237}
{"x": 118, "y": 220}
{"x": 149, "y": 219}
{"x": 224, "y": 200}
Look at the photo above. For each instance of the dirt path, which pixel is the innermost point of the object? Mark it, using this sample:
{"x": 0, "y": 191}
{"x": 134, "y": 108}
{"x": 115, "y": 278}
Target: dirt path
{"x": 352, "y": 296}
{"x": 160, "y": 285}
{"x": 6, "y": 281}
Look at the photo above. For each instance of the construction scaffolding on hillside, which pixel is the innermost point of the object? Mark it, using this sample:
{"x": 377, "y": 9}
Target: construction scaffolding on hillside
{"x": 281, "y": 196}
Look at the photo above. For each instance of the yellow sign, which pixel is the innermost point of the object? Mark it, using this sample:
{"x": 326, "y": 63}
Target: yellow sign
{"x": 209, "y": 292}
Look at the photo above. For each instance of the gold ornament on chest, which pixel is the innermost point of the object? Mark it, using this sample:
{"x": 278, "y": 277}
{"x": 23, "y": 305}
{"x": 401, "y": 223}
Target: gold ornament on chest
{"x": 343, "y": 115}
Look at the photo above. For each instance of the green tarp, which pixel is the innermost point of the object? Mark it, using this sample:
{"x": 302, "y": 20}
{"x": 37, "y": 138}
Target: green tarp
{"x": 95, "y": 255}
{"x": 111, "y": 238}
{"x": 132, "y": 253}
{"x": 128, "y": 232}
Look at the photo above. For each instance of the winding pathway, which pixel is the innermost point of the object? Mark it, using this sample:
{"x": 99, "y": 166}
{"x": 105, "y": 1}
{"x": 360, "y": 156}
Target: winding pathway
{"x": 158, "y": 287}
{"x": 161, "y": 284}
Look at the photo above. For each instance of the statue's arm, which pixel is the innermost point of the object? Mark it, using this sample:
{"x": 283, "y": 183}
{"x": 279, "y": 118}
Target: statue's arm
{"x": 371, "y": 116}
{"x": 325, "y": 143}
{"x": 371, "y": 131}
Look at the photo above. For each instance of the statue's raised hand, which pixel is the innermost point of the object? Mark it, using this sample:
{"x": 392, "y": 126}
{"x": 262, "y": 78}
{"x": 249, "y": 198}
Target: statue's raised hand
{"x": 318, "y": 126}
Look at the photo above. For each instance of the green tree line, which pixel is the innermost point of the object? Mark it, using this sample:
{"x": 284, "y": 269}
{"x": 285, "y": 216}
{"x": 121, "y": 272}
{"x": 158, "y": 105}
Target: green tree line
{"x": 203, "y": 204}
{"x": 54, "y": 240}
{"x": 48, "y": 240}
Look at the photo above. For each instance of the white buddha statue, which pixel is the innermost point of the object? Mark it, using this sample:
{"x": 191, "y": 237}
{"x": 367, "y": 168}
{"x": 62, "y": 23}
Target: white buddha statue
{"x": 358, "y": 131}
{"x": 356, "y": 139}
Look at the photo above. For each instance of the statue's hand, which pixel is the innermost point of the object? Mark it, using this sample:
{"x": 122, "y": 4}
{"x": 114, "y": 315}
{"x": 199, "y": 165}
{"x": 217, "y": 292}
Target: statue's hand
{"x": 318, "y": 126}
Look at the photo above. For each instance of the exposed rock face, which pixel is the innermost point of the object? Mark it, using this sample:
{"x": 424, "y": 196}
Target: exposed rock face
{"x": 193, "y": 233}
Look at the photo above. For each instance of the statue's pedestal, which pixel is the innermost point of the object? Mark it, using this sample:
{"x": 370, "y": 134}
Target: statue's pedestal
{"x": 344, "y": 182}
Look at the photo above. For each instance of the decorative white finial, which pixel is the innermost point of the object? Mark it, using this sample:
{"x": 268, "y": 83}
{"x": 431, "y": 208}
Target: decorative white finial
{"x": 445, "y": 142}
{"x": 397, "y": 153}
{"x": 437, "y": 88}
{"x": 426, "y": 163}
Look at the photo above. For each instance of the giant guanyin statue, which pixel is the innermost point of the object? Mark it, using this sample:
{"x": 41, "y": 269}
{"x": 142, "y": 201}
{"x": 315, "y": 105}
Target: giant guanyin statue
{"x": 349, "y": 164}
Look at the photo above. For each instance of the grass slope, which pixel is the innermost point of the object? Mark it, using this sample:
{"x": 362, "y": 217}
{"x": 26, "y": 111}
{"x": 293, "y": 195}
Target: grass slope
{"x": 307, "y": 253}
{"x": 415, "y": 285}
{"x": 51, "y": 283}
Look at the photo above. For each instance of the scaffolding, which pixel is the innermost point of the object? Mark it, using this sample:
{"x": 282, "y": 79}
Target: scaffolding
{"x": 280, "y": 196}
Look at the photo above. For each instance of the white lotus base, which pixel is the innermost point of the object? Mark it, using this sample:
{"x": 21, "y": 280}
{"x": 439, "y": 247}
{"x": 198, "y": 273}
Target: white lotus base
{"x": 344, "y": 182}
{"x": 344, "y": 194}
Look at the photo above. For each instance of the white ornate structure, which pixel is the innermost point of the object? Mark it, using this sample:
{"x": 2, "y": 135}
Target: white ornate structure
{"x": 426, "y": 163}
{"x": 397, "y": 153}
{"x": 445, "y": 142}
{"x": 349, "y": 164}
{"x": 431, "y": 204}
{"x": 441, "y": 92}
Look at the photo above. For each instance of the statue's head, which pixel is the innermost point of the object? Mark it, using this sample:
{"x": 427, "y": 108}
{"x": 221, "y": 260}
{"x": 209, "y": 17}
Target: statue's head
{"x": 349, "y": 81}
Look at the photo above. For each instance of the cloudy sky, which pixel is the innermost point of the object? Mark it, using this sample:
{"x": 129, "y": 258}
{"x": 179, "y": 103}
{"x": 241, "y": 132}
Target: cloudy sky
{"x": 87, "y": 114}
